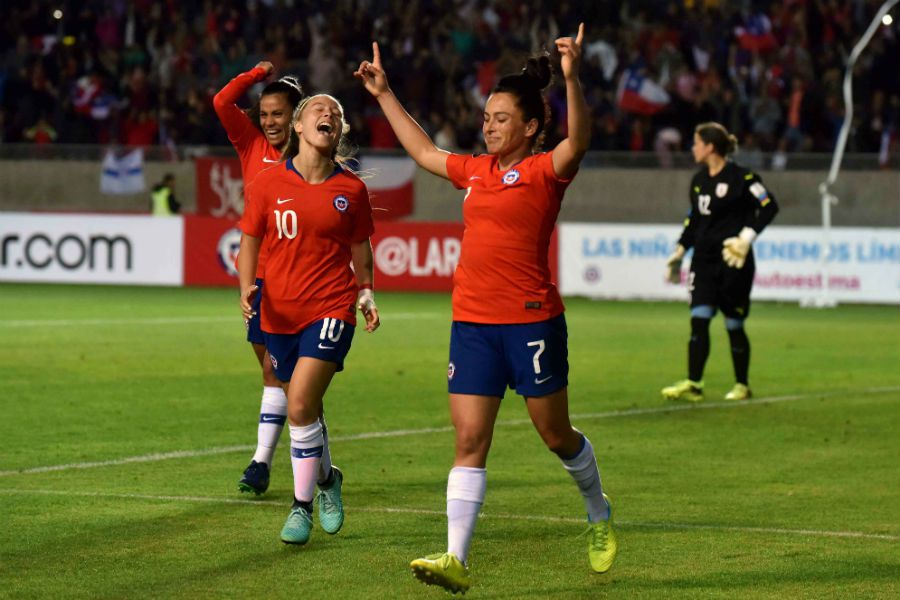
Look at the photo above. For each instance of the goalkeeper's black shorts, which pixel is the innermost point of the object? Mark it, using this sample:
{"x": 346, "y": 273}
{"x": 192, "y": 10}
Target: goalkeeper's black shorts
{"x": 714, "y": 283}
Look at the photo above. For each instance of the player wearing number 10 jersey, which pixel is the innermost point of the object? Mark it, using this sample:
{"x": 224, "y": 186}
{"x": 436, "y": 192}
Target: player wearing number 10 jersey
{"x": 316, "y": 219}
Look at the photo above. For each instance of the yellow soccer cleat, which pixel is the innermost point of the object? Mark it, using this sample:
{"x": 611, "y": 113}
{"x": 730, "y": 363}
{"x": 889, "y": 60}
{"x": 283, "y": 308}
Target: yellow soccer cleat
{"x": 739, "y": 392}
{"x": 602, "y": 544}
{"x": 687, "y": 390}
{"x": 444, "y": 570}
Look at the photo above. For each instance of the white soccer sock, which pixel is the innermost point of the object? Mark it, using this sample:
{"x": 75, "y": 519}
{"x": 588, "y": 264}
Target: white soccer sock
{"x": 583, "y": 469}
{"x": 325, "y": 463}
{"x": 272, "y": 415}
{"x": 306, "y": 453}
{"x": 465, "y": 495}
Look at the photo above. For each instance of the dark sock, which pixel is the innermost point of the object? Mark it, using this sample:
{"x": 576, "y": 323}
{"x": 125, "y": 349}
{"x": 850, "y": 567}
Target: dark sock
{"x": 698, "y": 348}
{"x": 307, "y": 506}
{"x": 324, "y": 485}
{"x": 740, "y": 354}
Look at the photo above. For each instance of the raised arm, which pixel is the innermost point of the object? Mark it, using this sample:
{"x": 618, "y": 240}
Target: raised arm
{"x": 414, "y": 139}
{"x": 568, "y": 153}
{"x": 232, "y": 117}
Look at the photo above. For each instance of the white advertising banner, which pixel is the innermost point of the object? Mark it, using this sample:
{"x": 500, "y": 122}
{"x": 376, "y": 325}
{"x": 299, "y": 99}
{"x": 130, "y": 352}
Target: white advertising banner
{"x": 91, "y": 249}
{"x": 628, "y": 261}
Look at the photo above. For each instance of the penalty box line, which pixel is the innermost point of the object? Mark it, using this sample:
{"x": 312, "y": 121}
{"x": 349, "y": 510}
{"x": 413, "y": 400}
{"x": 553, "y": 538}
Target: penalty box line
{"x": 160, "y": 456}
{"x": 490, "y": 516}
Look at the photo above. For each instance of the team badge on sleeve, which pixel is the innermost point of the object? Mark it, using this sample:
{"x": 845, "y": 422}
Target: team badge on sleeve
{"x": 511, "y": 177}
{"x": 341, "y": 203}
{"x": 721, "y": 190}
{"x": 760, "y": 192}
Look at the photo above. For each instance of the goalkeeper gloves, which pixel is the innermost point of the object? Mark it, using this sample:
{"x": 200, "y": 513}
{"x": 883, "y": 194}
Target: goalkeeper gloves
{"x": 735, "y": 249}
{"x": 673, "y": 264}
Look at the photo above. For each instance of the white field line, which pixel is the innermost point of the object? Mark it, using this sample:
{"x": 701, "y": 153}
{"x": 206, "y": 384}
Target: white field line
{"x": 174, "y": 320}
{"x": 155, "y": 457}
{"x": 437, "y": 513}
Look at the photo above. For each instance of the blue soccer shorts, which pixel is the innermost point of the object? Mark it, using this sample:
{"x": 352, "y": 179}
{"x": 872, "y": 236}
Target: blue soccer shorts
{"x": 328, "y": 339}
{"x": 530, "y": 358}
{"x": 254, "y": 333}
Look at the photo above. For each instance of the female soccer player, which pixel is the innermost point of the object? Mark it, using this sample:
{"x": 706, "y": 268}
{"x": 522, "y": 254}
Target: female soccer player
{"x": 316, "y": 218}
{"x": 259, "y": 138}
{"x": 508, "y": 326}
{"x": 730, "y": 206}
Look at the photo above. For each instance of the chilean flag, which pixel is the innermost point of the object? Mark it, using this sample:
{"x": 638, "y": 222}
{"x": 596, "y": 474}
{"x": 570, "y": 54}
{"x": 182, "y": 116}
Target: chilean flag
{"x": 640, "y": 95}
{"x": 755, "y": 35}
{"x": 390, "y": 182}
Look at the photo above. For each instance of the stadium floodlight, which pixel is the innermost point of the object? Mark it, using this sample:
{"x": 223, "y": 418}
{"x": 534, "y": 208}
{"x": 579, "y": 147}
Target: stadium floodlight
{"x": 824, "y": 299}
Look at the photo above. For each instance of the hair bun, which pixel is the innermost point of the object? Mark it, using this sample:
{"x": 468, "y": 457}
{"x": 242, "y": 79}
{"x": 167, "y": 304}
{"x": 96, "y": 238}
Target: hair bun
{"x": 538, "y": 69}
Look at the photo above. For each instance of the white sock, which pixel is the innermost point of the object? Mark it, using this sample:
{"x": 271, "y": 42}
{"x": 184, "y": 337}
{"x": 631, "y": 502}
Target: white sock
{"x": 306, "y": 453}
{"x": 272, "y": 415}
{"x": 583, "y": 469}
{"x": 325, "y": 463}
{"x": 465, "y": 495}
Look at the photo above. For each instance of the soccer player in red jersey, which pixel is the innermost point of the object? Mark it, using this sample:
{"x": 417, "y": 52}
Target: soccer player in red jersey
{"x": 259, "y": 136}
{"x": 316, "y": 218}
{"x": 508, "y": 324}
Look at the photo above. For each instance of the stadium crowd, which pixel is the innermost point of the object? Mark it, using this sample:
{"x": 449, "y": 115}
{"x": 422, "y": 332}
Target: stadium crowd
{"x": 142, "y": 72}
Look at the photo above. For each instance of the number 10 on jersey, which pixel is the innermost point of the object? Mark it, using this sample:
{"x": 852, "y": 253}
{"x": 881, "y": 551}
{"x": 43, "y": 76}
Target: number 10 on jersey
{"x": 286, "y": 222}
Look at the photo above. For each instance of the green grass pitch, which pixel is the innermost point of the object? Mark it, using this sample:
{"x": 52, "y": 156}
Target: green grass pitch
{"x": 795, "y": 494}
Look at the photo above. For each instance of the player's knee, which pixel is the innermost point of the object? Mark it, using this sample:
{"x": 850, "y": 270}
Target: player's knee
{"x": 734, "y": 324}
{"x": 471, "y": 441}
{"x": 300, "y": 414}
{"x": 703, "y": 311}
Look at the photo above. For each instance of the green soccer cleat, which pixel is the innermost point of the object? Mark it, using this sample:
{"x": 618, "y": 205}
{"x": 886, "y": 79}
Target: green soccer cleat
{"x": 687, "y": 390}
{"x": 602, "y": 545}
{"x": 444, "y": 570}
{"x": 739, "y": 392}
{"x": 331, "y": 507}
{"x": 298, "y": 526}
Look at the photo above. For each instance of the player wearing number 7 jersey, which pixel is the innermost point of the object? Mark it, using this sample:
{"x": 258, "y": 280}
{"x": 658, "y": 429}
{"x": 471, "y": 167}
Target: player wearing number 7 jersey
{"x": 508, "y": 325}
{"x": 316, "y": 219}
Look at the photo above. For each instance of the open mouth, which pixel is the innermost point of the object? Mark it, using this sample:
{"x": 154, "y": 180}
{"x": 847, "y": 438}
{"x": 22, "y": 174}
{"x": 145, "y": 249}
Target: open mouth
{"x": 324, "y": 127}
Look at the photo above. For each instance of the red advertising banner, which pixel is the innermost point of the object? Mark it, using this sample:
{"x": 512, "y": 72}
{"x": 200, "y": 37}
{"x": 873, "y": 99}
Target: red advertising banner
{"x": 416, "y": 256}
{"x": 220, "y": 188}
{"x": 210, "y": 247}
{"x": 409, "y": 256}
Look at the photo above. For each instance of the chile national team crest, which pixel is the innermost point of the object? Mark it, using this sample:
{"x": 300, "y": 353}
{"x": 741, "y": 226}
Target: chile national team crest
{"x": 511, "y": 177}
{"x": 451, "y": 371}
{"x": 341, "y": 203}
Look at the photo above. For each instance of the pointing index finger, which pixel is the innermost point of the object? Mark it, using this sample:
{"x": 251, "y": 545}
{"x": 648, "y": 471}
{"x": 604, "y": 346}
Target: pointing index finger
{"x": 580, "y": 34}
{"x": 376, "y": 55}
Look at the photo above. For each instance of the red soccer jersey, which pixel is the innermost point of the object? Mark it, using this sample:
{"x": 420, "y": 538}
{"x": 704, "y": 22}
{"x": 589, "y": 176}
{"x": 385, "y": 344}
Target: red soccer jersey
{"x": 309, "y": 228}
{"x": 254, "y": 150}
{"x": 503, "y": 274}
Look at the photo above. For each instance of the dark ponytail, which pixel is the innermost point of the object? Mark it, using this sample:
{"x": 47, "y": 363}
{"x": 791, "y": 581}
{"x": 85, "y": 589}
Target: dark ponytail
{"x": 723, "y": 143}
{"x": 527, "y": 87}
